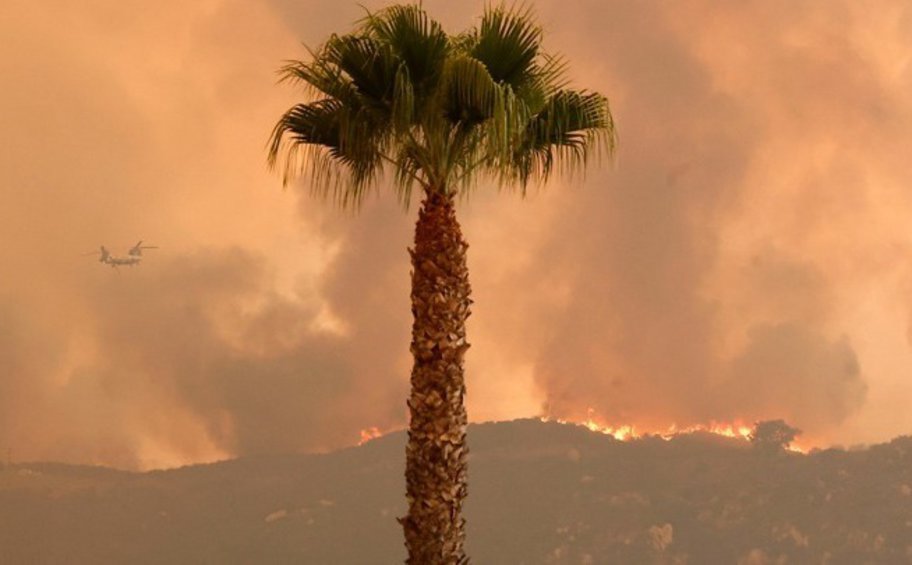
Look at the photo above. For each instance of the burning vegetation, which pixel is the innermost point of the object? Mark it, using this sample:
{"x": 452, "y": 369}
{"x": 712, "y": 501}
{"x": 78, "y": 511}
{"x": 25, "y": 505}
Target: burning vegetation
{"x": 769, "y": 434}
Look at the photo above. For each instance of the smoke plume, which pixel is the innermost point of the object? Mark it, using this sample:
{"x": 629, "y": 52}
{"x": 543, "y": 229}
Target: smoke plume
{"x": 744, "y": 257}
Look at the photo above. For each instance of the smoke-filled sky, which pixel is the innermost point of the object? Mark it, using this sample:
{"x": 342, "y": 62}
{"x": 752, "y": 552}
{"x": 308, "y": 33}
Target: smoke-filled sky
{"x": 745, "y": 256}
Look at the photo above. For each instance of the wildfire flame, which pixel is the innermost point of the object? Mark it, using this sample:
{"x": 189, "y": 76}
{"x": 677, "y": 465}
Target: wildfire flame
{"x": 736, "y": 430}
{"x": 368, "y": 434}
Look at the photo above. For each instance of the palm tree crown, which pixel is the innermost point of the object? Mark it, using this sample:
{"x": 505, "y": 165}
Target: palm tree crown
{"x": 436, "y": 109}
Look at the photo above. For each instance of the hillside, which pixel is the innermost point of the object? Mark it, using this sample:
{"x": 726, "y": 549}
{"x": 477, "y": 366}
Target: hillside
{"x": 539, "y": 493}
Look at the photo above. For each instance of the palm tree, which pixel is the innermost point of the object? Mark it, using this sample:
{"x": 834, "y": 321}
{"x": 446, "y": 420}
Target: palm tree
{"x": 438, "y": 111}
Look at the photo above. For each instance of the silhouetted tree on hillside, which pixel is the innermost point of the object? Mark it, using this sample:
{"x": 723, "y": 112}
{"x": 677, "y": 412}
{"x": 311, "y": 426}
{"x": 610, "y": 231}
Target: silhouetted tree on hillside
{"x": 773, "y": 435}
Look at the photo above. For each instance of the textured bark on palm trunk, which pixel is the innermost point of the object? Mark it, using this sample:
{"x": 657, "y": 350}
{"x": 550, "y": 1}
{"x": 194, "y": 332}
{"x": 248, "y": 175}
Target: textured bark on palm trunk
{"x": 436, "y": 451}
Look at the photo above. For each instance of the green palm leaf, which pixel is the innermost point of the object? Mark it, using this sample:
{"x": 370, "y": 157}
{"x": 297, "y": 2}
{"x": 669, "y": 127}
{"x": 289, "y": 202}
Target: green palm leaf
{"x": 570, "y": 126}
{"x": 439, "y": 109}
{"x": 336, "y": 138}
{"x": 470, "y": 92}
{"x": 415, "y": 39}
{"x": 369, "y": 64}
{"x": 507, "y": 42}
{"x": 321, "y": 79}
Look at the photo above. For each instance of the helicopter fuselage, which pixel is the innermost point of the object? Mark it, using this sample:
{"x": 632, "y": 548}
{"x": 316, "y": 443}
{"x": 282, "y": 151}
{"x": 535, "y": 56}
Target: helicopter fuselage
{"x": 133, "y": 257}
{"x": 122, "y": 261}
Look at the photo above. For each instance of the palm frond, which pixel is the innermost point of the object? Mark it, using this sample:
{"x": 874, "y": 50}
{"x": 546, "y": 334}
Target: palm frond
{"x": 320, "y": 78}
{"x": 547, "y": 76}
{"x": 572, "y": 126}
{"x": 369, "y": 64}
{"x": 409, "y": 169}
{"x": 507, "y": 41}
{"x": 470, "y": 91}
{"x": 331, "y": 141}
{"x": 404, "y": 108}
{"x": 415, "y": 39}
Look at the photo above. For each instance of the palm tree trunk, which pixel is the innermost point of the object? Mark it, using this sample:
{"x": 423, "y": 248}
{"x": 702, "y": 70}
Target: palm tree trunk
{"x": 435, "y": 471}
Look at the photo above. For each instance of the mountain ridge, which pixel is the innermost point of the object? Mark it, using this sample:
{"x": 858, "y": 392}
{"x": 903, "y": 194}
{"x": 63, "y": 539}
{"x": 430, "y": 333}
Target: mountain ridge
{"x": 539, "y": 492}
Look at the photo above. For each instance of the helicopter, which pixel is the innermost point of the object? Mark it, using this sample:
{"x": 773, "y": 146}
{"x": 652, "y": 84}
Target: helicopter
{"x": 133, "y": 256}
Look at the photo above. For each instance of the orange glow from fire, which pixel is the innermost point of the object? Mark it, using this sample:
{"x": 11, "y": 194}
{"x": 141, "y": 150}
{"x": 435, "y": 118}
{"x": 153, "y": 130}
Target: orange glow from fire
{"x": 368, "y": 434}
{"x": 735, "y": 430}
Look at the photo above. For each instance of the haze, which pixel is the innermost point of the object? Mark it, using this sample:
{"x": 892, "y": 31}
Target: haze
{"x": 745, "y": 257}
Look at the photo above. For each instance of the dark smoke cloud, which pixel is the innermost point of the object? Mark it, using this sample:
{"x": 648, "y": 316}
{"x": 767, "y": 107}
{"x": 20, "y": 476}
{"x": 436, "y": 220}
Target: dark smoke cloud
{"x": 203, "y": 340}
{"x": 789, "y": 371}
{"x": 664, "y": 323}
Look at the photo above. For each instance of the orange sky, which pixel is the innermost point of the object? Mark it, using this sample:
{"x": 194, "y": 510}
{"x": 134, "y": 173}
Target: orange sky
{"x": 746, "y": 255}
